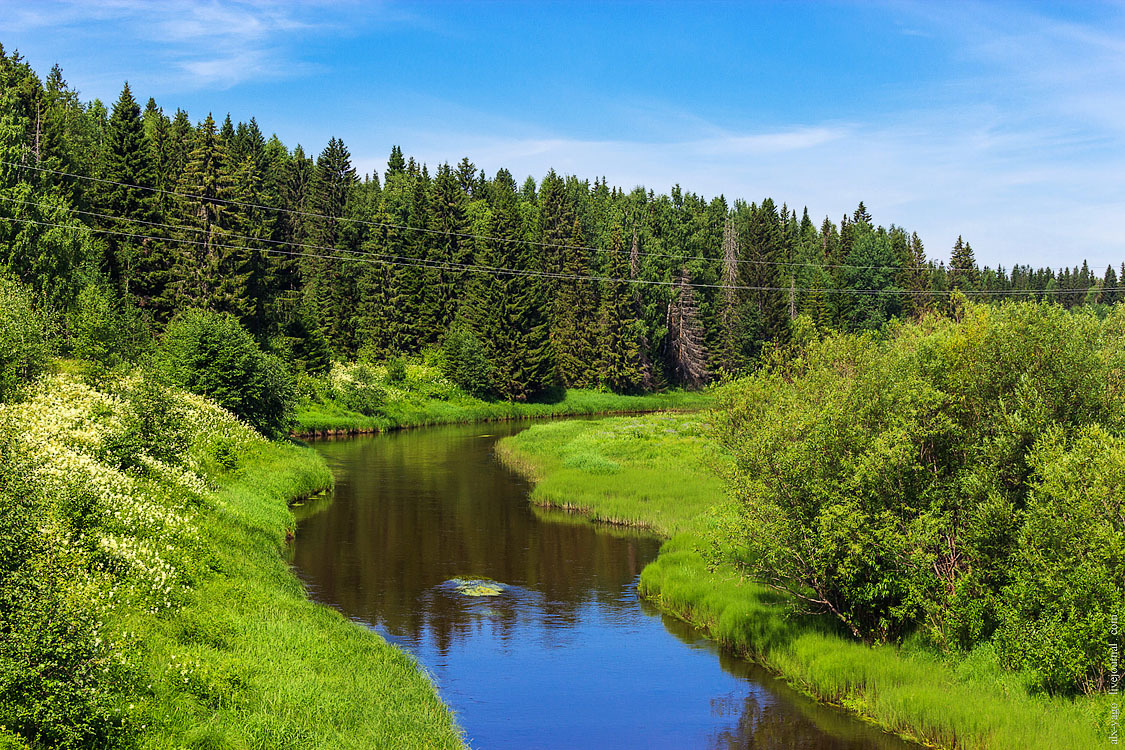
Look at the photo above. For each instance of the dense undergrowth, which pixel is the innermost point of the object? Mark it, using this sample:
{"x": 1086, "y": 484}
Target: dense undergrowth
{"x": 415, "y": 392}
{"x": 146, "y": 600}
{"x": 653, "y": 471}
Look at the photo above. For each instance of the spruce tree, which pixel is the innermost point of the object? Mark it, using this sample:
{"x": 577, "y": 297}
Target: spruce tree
{"x": 211, "y": 270}
{"x": 1109, "y": 287}
{"x": 963, "y": 273}
{"x": 619, "y": 365}
{"x": 449, "y": 249}
{"x": 137, "y": 266}
{"x": 506, "y": 311}
{"x": 324, "y": 279}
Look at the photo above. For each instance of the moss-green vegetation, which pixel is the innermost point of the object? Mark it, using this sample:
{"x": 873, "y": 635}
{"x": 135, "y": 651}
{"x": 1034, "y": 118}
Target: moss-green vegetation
{"x": 652, "y": 471}
{"x": 146, "y": 597}
{"x": 659, "y": 471}
{"x": 365, "y": 397}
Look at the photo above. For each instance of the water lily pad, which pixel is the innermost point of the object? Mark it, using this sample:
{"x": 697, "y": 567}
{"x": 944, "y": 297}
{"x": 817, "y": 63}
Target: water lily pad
{"x": 477, "y": 586}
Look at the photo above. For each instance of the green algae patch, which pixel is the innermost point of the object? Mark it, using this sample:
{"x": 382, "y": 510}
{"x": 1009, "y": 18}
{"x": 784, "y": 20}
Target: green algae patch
{"x": 477, "y": 586}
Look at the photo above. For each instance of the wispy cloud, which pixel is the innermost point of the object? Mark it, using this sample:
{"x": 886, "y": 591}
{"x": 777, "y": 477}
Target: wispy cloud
{"x": 193, "y": 45}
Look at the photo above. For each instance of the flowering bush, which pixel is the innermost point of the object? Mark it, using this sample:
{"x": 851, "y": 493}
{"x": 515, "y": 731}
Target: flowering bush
{"x": 100, "y": 496}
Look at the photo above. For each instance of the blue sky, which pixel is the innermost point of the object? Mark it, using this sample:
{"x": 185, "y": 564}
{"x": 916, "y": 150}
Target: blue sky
{"x": 1003, "y": 122}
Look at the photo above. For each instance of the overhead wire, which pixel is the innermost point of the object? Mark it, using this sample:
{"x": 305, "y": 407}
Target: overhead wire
{"x": 452, "y": 233}
{"x": 410, "y": 261}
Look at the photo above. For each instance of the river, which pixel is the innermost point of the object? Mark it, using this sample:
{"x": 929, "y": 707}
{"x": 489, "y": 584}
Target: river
{"x": 566, "y": 655}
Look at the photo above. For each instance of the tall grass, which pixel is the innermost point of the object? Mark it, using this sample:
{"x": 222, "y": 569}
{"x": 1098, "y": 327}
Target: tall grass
{"x": 655, "y": 472}
{"x": 650, "y": 471}
{"x": 166, "y": 521}
{"x": 425, "y": 397}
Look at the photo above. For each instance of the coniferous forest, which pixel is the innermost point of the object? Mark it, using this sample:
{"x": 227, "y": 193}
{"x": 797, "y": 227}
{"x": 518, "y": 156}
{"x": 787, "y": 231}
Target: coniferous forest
{"x": 560, "y": 282}
{"x": 923, "y": 458}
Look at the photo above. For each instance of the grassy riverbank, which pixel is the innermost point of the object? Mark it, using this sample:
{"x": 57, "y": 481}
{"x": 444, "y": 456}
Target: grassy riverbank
{"x": 656, "y": 471}
{"x": 378, "y": 398}
{"x": 147, "y": 598}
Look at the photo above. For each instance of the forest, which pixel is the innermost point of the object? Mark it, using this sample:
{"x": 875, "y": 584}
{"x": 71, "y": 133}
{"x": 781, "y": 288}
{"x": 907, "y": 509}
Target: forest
{"x": 531, "y": 286}
{"x": 920, "y": 456}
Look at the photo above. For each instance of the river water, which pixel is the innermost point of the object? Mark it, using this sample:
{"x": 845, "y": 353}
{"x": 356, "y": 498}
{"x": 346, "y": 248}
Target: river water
{"x": 566, "y": 656}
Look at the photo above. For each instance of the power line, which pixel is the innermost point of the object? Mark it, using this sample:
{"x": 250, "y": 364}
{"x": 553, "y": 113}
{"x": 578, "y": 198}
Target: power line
{"x": 451, "y": 233}
{"x": 366, "y": 257}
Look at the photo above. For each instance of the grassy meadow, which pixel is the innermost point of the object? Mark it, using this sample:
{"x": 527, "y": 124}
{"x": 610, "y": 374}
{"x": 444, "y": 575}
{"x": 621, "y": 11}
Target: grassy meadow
{"x": 147, "y": 598}
{"x": 413, "y": 392}
{"x": 659, "y": 472}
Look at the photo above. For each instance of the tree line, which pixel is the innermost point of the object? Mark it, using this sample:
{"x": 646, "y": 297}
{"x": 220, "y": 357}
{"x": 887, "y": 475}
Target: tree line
{"x": 549, "y": 283}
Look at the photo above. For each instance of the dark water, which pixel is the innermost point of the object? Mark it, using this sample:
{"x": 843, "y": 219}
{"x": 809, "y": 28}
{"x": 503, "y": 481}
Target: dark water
{"x": 566, "y": 656}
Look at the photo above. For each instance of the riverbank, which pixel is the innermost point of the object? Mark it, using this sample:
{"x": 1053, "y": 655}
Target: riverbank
{"x": 144, "y": 574}
{"x": 423, "y": 400}
{"x": 654, "y": 472}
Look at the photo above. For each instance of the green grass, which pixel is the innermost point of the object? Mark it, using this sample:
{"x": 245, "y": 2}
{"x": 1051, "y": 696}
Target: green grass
{"x": 148, "y": 601}
{"x": 652, "y": 472}
{"x": 272, "y": 669}
{"x": 427, "y": 398}
{"x": 657, "y": 472}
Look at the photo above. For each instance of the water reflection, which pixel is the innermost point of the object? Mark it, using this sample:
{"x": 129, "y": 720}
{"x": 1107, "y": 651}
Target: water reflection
{"x": 565, "y": 655}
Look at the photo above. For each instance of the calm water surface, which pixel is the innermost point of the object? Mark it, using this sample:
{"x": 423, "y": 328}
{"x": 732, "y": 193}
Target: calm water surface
{"x": 566, "y": 656}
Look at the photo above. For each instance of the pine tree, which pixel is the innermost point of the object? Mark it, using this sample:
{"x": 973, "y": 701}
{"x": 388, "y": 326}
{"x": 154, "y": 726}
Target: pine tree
{"x": 1110, "y": 294}
{"x": 730, "y": 357}
{"x": 768, "y": 272}
{"x": 449, "y": 249}
{"x": 396, "y": 165}
{"x": 323, "y": 278}
{"x": 915, "y": 279}
{"x": 574, "y": 329}
{"x": 507, "y": 312}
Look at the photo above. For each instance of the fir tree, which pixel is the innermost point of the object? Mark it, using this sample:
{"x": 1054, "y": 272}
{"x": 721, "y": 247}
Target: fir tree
{"x": 137, "y": 266}
{"x": 449, "y": 248}
{"x": 619, "y": 366}
{"x": 323, "y": 278}
{"x": 1110, "y": 293}
{"x": 963, "y": 273}
{"x": 211, "y": 269}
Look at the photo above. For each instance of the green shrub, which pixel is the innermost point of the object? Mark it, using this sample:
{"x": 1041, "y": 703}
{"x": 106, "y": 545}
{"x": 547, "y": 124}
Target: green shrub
{"x": 25, "y": 347}
{"x": 104, "y": 330}
{"x": 357, "y": 389}
{"x": 467, "y": 364}
{"x": 59, "y": 680}
{"x": 1069, "y": 566}
{"x": 211, "y": 354}
{"x": 901, "y": 482}
{"x": 396, "y": 371}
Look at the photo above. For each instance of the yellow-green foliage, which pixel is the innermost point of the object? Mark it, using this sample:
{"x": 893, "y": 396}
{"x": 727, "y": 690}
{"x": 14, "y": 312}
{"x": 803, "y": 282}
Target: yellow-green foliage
{"x": 652, "y": 471}
{"x": 366, "y": 397}
{"x": 947, "y": 701}
{"x": 146, "y": 598}
{"x": 958, "y": 479}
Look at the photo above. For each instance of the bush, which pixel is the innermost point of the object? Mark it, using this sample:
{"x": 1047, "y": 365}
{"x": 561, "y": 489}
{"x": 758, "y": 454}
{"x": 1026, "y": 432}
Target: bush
{"x": 467, "y": 365}
{"x": 1068, "y": 571}
{"x": 25, "y": 347}
{"x": 211, "y": 354}
{"x": 396, "y": 371}
{"x": 357, "y": 389}
{"x": 59, "y": 681}
{"x": 104, "y": 330}
{"x": 903, "y": 483}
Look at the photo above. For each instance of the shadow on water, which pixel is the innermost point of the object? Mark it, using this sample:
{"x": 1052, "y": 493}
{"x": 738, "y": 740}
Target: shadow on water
{"x": 558, "y": 652}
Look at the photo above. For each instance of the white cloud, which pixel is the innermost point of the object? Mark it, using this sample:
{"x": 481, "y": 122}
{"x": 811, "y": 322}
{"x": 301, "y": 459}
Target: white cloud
{"x": 192, "y": 45}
